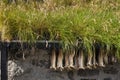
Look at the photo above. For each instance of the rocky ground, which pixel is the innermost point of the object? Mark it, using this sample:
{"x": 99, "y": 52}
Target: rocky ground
{"x": 37, "y": 68}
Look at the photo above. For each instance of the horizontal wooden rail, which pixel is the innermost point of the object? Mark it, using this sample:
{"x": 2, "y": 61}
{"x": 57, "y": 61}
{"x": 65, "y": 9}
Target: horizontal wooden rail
{"x": 37, "y": 44}
{"x": 41, "y": 41}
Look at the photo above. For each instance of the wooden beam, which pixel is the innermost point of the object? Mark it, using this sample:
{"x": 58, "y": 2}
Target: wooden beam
{"x": 4, "y": 60}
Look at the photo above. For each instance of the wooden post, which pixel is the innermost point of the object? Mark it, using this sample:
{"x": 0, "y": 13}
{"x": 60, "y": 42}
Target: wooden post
{"x": 4, "y": 59}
